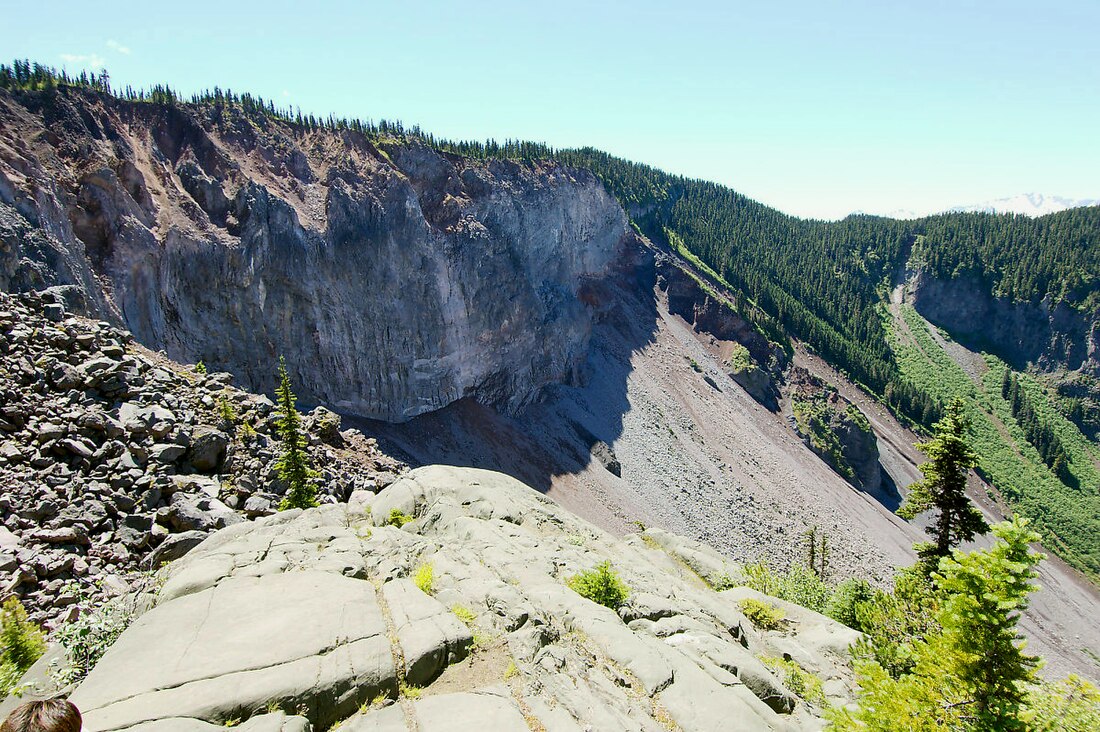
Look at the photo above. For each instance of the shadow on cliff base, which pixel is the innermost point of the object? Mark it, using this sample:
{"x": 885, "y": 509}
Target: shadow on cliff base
{"x": 562, "y": 430}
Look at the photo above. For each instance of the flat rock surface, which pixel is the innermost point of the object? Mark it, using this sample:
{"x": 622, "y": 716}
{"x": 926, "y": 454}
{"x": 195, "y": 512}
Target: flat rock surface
{"x": 314, "y": 638}
{"x": 319, "y": 613}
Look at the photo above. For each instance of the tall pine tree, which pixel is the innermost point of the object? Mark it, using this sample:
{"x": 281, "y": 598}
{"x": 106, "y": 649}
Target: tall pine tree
{"x": 943, "y": 488}
{"x": 971, "y": 675}
{"x": 293, "y": 465}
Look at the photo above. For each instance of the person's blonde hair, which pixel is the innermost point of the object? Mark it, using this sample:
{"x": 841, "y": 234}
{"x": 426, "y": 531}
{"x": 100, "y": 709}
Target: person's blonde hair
{"x": 51, "y": 715}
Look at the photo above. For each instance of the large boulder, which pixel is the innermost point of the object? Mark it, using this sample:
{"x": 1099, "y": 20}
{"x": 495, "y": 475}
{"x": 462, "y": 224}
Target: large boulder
{"x": 207, "y": 451}
{"x": 312, "y": 639}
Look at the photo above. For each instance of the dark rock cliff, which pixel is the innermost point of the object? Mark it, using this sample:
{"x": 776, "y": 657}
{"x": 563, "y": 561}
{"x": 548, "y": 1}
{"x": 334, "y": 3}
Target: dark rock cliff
{"x": 393, "y": 278}
{"x": 1049, "y": 336}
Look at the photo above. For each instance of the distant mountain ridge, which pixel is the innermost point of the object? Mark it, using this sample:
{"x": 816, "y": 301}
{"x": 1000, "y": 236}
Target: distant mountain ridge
{"x": 1028, "y": 204}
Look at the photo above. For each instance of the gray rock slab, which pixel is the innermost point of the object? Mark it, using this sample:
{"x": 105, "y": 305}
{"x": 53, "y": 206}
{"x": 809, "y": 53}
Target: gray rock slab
{"x": 486, "y": 709}
{"x": 301, "y": 638}
{"x": 273, "y": 722}
{"x": 476, "y": 711}
{"x": 430, "y": 635}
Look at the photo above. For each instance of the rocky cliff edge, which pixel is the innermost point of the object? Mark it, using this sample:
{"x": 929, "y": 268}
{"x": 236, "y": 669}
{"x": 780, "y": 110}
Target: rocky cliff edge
{"x": 395, "y": 279}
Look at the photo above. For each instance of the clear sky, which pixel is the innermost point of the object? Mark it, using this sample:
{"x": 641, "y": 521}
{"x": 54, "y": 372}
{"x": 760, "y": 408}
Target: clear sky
{"x": 816, "y": 107}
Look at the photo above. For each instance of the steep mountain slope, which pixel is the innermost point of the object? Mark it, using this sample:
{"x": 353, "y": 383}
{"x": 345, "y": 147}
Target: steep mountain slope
{"x": 393, "y": 279}
{"x": 562, "y": 347}
{"x": 1022, "y": 289}
{"x": 648, "y": 438}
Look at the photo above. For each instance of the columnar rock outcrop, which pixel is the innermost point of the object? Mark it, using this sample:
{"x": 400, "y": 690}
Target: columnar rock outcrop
{"x": 314, "y": 614}
{"x": 393, "y": 278}
{"x": 1049, "y": 336}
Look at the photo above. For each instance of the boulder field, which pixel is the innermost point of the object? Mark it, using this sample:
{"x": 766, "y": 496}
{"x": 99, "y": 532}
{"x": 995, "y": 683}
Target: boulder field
{"x": 443, "y": 603}
{"x": 114, "y": 459}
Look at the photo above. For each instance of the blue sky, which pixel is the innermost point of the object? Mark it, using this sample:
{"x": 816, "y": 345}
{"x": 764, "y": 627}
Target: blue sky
{"x": 818, "y": 108}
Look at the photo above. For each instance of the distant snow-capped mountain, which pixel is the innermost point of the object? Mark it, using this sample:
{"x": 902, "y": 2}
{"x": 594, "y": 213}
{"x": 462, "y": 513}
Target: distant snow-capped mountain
{"x": 1030, "y": 204}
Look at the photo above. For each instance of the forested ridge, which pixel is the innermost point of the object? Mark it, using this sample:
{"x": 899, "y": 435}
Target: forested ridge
{"x": 827, "y": 282}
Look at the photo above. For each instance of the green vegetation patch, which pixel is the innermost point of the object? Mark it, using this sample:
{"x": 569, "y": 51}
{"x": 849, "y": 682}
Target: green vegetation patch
{"x": 763, "y": 615}
{"x": 424, "y": 578}
{"x": 1068, "y": 518}
{"x": 21, "y": 644}
{"x": 740, "y": 360}
{"x": 815, "y": 418}
{"x": 804, "y": 684}
{"x": 398, "y": 518}
{"x": 601, "y": 585}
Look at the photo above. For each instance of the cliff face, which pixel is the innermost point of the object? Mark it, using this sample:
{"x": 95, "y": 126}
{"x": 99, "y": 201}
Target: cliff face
{"x": 1048, "y": 336}
{"x": 394, "y": 279}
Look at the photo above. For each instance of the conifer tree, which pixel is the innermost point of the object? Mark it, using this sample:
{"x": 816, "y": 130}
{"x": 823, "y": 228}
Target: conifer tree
{"x": 293, "y": 465}
{"x": 985, "y": 593}
{"x": 943, "y": 488}
{"x": 21, "y": 643}
{"x": 972, "y": 674}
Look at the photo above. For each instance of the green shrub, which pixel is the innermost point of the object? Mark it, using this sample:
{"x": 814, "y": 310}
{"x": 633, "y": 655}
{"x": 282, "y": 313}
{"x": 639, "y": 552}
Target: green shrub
{"x": 740, "y": 360}
{"x": 227, "y": 411}
{"x": 463, "y": 613}
{"x": 21, "y": 644}
{"x": 804, "y": 684}
{"x": 1070, "y": 705}
{"x": 424, "y": 577}
{"x": 844, "y": 605}
{"x": 799, "y": 585}
{"x": 398, "y": 518}
{"x": 87, "y": 638}
{"x": 763, "y": 615}
{"x": 199, "y": 368}
{"x": 601, "y": 585}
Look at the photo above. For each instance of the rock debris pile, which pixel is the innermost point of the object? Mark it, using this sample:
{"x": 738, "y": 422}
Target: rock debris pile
{"x": 114, "y": 459}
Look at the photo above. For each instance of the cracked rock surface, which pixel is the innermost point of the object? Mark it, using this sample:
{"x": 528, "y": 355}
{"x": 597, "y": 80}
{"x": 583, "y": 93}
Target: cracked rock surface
{"x": 323, "y": 615}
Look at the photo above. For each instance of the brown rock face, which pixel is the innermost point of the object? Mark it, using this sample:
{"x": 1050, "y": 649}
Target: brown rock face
{"x": 393, "y": 278}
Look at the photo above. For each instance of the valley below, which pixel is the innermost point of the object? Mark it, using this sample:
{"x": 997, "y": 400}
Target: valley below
{"x": 515, "y": 368}
{"x": 707, "y": 461}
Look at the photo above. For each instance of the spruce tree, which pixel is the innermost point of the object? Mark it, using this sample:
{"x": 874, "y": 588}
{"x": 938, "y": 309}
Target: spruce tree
{"x": 293, "y": 465}
{"x": 971, "y": 674}
{"x": 986, "y": 593}
{"x": 21, "y": 643}
{"x": 943, "y": 488}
